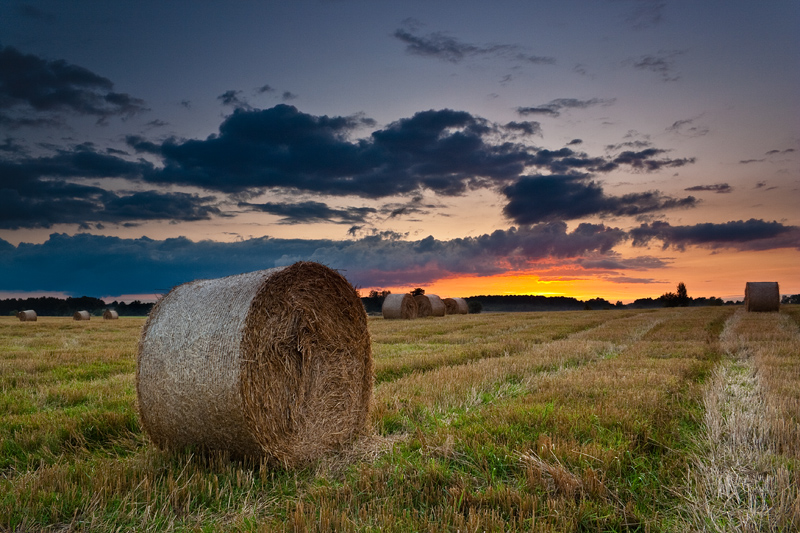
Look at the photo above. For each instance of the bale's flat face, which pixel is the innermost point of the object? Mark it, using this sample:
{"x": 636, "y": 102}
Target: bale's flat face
{"x": 274, "y": 363}
{"x": 762, "y": 296}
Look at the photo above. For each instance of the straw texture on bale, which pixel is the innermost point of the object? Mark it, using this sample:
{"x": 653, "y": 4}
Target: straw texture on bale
{"x": 762, "y": 296}
{"x": 81, "y": 315}
{"x": 399, "y": 306}
{"x": 27, "y": 316}
{"x": 456, "y": 306}
{"x": 110, "y": 314}
{"x": 275, "y": 364}
{"x": 429, "y": 305}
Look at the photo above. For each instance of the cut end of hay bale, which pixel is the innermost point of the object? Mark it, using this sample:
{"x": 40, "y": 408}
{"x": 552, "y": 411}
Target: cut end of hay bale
{"x": 110, "y": 314}
{"x": 275, "y": 364}
{"x": 81, "y": 315}
{"x": 456, "y": 306}
{"x": 762, "y": 296}
{"x": 399, "y": 306}
{"x": 27, "y": 316}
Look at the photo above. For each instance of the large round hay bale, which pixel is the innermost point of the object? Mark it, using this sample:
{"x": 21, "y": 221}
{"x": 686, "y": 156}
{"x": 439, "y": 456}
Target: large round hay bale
{"x": 423, "y": 305}
{"x": 275, "y": 364}
{"x": 81, "y": 315}
{"x": 110, "y": 314}
{"x": 762, "y": 296}
{"x": 27, "y": 316}
{"x": 456, "y": 306}
{"x": 399, "y": 306}
{"x": 429, "y": 305}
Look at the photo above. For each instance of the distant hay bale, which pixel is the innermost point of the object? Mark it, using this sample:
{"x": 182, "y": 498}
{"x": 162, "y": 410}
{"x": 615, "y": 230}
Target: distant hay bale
{"x": 456, "y": 306}
{"x": 762, "y": 296}
{"x": 429, "y": 305}
{"x": 110, "y": 314}
{"x": 81, "y": 315}
{"x": 27, "y": 316}
{"x": 275, "y": 364}
{"x": 399, "y": 306}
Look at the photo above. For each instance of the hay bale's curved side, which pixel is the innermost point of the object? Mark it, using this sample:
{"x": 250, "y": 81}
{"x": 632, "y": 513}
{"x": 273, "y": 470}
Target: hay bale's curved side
{"x": 423, "y": 306}
{"x": 275, "y": 363}
{"x": 81, "y": 315}
{"x": 27, "y": 316}
{"x": 399, "y": 306}
{"x": 437, "y": 305}
{"x": 455, "y": 306}
{"x": 110, "y": 314}
{"x": 762, "y": 296}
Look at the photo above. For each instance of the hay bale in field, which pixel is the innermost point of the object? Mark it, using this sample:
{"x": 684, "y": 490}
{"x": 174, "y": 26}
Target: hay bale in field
{"x": 81, "y": 315}
{"x": 429, "y": 305}
{"x": 27, "y": 316}
{"x": 456, "y": 306}
{"x": 275, "y": 363}
{"x": 399, "y": 306}
{"x": 762, "y": 296}
{"x": 110, "y": 314}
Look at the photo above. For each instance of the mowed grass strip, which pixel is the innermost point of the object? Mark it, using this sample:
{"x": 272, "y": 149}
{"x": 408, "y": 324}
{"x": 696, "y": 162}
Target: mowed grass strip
{"x": 586, "y": 429}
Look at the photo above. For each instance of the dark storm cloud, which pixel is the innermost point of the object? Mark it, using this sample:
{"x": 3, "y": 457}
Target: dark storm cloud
{"x": 265, "y": 89}
{"x": 534, "y": 199}
{"x": 233, "y": 98}
{"x": 30, "y": 84}
{"x": 527, "y": 127}
{"x": 721, "y": 188}
{"x": 446, "y": 151}
{"x": 554, "y": 107}
{"x": 308, "y": 212}
{"x": 288, "y": 95}
{"x": 439, "y": 45}
{"x": 662, "y": 63}
{"x": 751, "y": 234}
{"x": 90, "y": 264}
{"x": 643, "y": 160}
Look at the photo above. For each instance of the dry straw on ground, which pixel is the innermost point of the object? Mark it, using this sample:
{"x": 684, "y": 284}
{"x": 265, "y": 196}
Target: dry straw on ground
{"x": 762, "y": 296}
{"x": 110, "y": 314}
{"x": 275, "y": 363}
{"x": 456, "y": 306}
{"x": 27, "y": 316}
{"x": 399, "y": 306}
{"x": 81, "y": 315}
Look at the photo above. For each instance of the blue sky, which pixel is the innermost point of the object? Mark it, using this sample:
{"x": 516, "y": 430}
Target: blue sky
{"x": 587, "y": 148}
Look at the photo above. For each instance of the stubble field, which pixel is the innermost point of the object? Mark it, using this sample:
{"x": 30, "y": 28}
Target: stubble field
{"x": 660, "y": 420}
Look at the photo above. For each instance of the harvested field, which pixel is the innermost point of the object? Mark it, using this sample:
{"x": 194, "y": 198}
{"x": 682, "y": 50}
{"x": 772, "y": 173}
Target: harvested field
{"x": 589, "y": 421}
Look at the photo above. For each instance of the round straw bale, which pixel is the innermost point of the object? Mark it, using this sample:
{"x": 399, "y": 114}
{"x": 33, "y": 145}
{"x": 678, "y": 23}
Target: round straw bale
{"x": 399, "y": 306}
{"x": 456, "y": 306}
{"x": 27, "y": 316}
{"x": 762, "y": 296}
{"x": 275, "y": 364}
{"x": 81, "y": 315}
{"x": 110, "y": 314}
{"x": 423, "y": 306}
{"x": 437, "y": 305}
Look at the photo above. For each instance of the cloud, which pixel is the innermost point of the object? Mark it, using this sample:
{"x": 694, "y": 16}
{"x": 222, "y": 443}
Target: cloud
{"x": 534, "y": 199}
{"x": 441, "y": 46}
{"x": 287, "y": 95}
{"x": 662, "y": 63}
{"x": 720, "y": 188}
{"x": 643, "y": 160}
{"x": 445, "y": 151}
{"x": 265, "y": 89}
{"x": 687, "y": 128}
{"x": 527, "y": 127}
{"x": 233, "y": 98}
{"x": 309, "y": 212}
{"x": 90, "y": 264}
{"x": 554, "y": 107}
{"x": 575, "y": 142}
{"x": 31, "y": 85}
{"x": 753, "y": 234}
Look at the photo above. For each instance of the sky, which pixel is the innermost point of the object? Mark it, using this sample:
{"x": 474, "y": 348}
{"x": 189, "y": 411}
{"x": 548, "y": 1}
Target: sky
{"x": 584, "y": 148}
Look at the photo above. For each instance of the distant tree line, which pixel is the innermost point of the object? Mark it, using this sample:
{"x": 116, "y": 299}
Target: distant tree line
{"x": 50, "y": 306}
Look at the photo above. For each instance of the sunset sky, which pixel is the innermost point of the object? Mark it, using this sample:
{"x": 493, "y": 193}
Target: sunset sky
{"x": 586, "y": 148}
